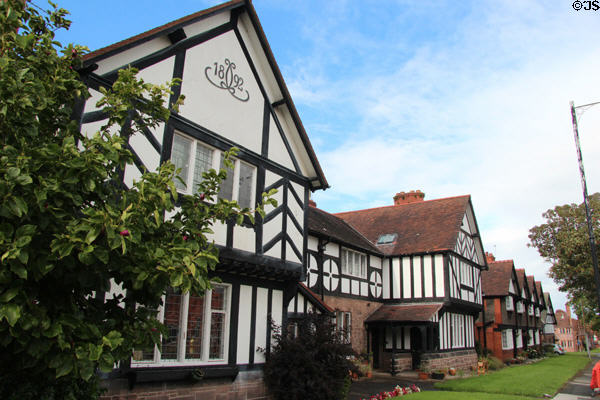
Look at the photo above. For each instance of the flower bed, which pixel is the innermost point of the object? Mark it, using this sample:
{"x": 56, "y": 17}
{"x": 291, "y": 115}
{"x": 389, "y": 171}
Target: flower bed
{"x": 398, "y": 391}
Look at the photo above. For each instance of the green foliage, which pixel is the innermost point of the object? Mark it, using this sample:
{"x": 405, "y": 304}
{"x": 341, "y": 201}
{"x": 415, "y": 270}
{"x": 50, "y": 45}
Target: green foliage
{"x": 68, "y": 229}
{"x": 313, "y": 365}
{"x": 563, "y": 240}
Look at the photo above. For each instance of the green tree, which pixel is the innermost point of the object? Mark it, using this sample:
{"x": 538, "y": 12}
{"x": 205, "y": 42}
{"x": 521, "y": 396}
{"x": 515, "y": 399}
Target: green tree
{"x": 68, "y": 228}
{"x": 564, "y": 242}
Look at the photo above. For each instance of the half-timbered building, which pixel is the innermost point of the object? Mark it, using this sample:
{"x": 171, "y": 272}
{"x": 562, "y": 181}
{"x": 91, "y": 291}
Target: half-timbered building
{"x": 413, "y": 286}
{"x": 235, "y": 95}
{"x": 549, "y": 320}
{"x": 497, "y": 327}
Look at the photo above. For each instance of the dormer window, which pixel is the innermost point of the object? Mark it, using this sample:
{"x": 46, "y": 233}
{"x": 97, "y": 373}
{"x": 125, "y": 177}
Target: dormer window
{"x": 509, "y": 303}
{"x": 387, "y": 238}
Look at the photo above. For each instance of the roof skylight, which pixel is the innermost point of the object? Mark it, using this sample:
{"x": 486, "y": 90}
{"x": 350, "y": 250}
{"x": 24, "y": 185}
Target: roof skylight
{"x": 387, "y": 238}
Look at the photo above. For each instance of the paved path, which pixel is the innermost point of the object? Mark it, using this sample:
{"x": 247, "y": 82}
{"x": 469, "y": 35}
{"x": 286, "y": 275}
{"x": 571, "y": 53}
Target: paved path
{"x": 579, "y": 386}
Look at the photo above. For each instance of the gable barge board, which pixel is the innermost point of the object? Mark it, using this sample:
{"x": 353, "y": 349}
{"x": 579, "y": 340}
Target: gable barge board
{"x": 163, "y": 30}
{"x": 171, "y": 50}
{"x": 264, "y": 94}
{"x": 289, "y": 102}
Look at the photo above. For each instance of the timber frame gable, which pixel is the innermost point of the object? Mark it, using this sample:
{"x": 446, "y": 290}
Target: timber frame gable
{"x": 242, "y": 78}
{"x": 235, "y": 96}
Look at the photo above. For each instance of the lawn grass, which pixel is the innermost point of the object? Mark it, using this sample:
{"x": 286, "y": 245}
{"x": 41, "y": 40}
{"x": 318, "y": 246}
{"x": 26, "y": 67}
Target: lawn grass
{"x": 533, "y": 380}
{"x": 462, "y": 396}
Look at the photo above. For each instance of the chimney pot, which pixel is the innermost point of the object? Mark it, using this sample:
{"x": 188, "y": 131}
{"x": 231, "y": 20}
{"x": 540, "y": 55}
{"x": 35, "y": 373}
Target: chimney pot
{"x": 408, "y": 197}
{"x": 311, "y": 203}
{"x": 489, "y": 257}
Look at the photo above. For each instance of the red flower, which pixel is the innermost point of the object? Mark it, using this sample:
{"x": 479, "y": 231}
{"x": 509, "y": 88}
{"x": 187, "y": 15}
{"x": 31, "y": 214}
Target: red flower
{"x": 124, "y": 232}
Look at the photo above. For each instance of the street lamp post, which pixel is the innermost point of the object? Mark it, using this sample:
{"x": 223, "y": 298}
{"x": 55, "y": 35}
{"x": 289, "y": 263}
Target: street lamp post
{"x": 588, "y": 214}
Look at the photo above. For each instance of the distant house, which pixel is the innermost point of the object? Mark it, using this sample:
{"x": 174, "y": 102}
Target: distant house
{"x": 515, "y": 311}
{"x": 569, "y": 332}
{"x": 498, "y": 326}
{"x": 405, "y": 279}
{"x": 549, "y": 320}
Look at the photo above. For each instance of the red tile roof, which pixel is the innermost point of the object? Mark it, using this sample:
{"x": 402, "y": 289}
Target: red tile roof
{"x": 531, "y": 285}
{"x": 422, "y": 227}
{"x": 323, "y": 223}
{"x": 496, "y": 280}
{"x": 523, "y": 281}
{"x": 404, "y": 312}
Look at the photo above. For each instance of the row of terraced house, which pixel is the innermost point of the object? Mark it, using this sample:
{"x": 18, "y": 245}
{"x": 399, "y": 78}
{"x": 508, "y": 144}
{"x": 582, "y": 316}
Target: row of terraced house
{"x": 409, "y": 283}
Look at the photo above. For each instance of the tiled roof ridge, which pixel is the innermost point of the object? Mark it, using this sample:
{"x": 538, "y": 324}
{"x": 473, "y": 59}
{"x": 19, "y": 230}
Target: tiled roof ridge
{"x": 401, "y": 205}
{"x": 501, "y": 261}
{"x": 150, "y": 32}
{"x": 347, "y": 224}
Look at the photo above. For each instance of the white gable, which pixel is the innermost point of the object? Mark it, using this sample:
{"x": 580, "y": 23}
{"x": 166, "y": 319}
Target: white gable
{"x": 511, "y": 287}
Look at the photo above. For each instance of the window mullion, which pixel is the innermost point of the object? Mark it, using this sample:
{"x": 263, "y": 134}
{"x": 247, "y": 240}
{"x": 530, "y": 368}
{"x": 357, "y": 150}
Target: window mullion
{"x": 161, "y": 318}
{"x": 185, "y": 301}
{"x": 192, "y": 169}
{"x": 236, "y": 181}
{"x": 206, "y": 325}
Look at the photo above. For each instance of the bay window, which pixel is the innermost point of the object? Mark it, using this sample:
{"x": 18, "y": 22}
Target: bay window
{"x": 197, "y": 328}
{"x": 193, "y": 158}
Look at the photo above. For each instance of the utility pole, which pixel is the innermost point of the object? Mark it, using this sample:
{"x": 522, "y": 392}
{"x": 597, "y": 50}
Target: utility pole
{"x": 588, "y": 214}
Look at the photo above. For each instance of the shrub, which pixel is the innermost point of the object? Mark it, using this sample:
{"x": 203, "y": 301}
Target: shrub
{"x": 494, "y": 363}
{"x": 313, "y": 365}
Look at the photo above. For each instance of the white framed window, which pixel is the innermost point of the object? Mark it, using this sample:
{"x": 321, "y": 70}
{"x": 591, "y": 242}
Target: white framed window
{"x": 530, "y": 338}
{"x": 197, "y": 329}
{"x": 507, "y": 342}
{"x": 509, "y": 303}
{"x": 194, "y": 158}
{"x": 519, "y": 338}
{"x": 537, "y": 312}
{"x": 530, "y": 309}
{"x": 343, "y": 323}
{"x": 354, "y": 263}
{"x": 520, "y": 307}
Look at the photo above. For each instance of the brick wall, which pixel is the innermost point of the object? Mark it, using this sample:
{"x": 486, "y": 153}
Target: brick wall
{"x": 460, "y": 359}
{"x": 360, "y": 310}
{"x": 247, "y": 386}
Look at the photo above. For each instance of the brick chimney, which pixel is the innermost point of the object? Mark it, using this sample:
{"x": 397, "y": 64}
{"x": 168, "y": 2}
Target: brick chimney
{"x": 408, "y": 197}
{"x": 312, "y": 203}
{"x": 489, "y": 257}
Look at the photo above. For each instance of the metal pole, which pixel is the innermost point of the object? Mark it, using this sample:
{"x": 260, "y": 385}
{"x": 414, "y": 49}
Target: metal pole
{"x": 586, "y": 203}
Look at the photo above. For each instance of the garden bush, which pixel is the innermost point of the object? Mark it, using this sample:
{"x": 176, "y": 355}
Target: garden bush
{"x": 310, "y": 363}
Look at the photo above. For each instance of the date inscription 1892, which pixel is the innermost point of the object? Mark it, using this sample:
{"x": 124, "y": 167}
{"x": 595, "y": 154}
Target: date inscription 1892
{"x": 224, "y": 77}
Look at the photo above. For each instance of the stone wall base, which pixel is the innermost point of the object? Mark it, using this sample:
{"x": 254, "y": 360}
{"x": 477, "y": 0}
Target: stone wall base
{"x": 460, "y": 359}
{"x": 403, "y": 361}
{"x": 248, "y": 385}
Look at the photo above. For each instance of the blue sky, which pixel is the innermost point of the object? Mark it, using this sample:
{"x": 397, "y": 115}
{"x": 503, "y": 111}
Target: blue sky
{"x": 447, "y": 97}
